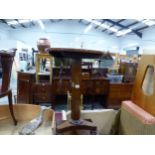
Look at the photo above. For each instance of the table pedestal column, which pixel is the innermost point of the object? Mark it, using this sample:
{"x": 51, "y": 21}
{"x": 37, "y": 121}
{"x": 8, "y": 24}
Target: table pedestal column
{"x": 75, "y": 123}
{"x": 75, "y": 90}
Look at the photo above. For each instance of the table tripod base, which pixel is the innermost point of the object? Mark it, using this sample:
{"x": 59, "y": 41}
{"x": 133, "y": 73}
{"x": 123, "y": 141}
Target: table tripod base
{"x": 67, "y": 127}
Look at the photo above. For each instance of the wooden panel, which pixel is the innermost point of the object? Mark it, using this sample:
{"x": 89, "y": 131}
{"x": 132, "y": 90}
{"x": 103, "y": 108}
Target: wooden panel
{"x": 61, "y": 87}
{"x": 114, "y": 93}
{"x": 118, "y": 92}
{"x": 95, "y": 87}
{"x": 138, "y": 97}
{"x": 24, "y": 85}
{"x": 42, "y": 92}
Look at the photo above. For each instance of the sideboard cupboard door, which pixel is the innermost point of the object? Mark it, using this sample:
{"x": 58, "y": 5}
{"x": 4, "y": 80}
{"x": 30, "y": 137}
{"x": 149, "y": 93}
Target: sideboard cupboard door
{"x": 24, "y": 90}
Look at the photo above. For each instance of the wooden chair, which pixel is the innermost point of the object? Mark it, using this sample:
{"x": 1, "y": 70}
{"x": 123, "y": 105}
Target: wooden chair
{"x": 6, "y": 60}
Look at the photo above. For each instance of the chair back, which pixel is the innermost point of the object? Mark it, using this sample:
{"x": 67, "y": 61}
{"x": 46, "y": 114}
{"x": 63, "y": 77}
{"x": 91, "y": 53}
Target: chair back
{"x": 6, "y": 60}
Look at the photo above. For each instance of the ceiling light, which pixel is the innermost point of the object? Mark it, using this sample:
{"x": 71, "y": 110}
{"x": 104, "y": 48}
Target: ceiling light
{"x": 88, "y": 28}
{"x": 123, "y": 32}
{"x": 24, "y": 21}
{"x": 13, "y": 22}
{"x": 41, "y": 24}
{"x": 96, "y": 22}
{"x": 148, "y": 22}
{"x": 113, "y": 29}
{"x": 140, "y": 19}
{"x": 103, "y": 25}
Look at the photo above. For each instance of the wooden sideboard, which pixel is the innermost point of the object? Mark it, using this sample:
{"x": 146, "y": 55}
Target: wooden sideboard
{"x": 31, "y": 93}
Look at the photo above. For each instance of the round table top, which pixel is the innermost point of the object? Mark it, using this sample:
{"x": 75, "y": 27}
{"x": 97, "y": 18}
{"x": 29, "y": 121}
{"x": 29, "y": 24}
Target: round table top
{"x": 74, "y": 53}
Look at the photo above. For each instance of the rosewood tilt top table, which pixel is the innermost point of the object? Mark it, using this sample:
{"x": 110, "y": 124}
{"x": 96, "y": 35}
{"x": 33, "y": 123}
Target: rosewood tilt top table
{"x": 76, "y": 55}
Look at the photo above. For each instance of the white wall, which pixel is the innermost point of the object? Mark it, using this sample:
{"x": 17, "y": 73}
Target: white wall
{"x": 5, "y": 40}
{"x": 70, "y": 33}
{"x": 67, "y": 34}
{"x": 146, "y": 42}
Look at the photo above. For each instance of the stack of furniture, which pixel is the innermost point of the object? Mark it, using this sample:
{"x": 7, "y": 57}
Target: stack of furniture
{"x": 95, "y": 85}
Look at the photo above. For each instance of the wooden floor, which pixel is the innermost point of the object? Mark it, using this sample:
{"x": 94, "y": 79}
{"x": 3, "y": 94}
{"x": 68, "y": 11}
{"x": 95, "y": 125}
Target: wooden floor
{"x": 7, "y": 128}
{"x": 24, "y": 113}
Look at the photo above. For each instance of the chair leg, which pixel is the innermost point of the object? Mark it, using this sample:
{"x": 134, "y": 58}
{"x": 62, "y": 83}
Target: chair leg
{"x": 11, "y": 108}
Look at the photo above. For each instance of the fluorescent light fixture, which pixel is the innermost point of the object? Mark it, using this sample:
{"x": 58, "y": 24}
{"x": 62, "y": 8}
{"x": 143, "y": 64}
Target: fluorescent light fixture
{"x": 93, "y": 21}
{"x": 148, "y": 22}
{"x": 41, "y": 24}
{"x": 24, "y": 21}
{"x": 140, "y": 19}
{"x": 96, "y": 22}
{"x": 123, "y": 32}
{"x": 103, "y": 25}
{"x": 88, "y": 28}
{"x": 113, "y": 29}
{"x": 13, "y": 22}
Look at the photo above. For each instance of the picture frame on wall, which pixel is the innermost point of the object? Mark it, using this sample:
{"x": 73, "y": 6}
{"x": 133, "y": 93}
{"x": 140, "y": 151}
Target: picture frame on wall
{"x": 130, "y": 70}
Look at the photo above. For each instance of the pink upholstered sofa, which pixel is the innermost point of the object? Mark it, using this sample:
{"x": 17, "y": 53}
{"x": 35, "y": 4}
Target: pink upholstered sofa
{"x": 135, "y": 121}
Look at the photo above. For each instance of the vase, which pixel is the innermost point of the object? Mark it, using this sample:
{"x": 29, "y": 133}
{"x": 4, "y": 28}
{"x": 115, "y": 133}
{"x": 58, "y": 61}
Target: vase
{"x": 42, "y": 44}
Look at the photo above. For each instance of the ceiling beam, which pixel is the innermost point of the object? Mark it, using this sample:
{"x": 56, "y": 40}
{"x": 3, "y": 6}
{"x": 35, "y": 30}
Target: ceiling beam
{"x": 52, "y": 21}
{"x": 99, "y": 25}
{"x": 121, "y": 20}
{"x": 4, "y": 21}
{"x": 124, "y": 27}
{"x": 80, "y": 20}
{"x": 32, "y": 23}
{"x": 142, "y": 28}
{"x": 20, "y": 23}
{"x": 134, "y": 23}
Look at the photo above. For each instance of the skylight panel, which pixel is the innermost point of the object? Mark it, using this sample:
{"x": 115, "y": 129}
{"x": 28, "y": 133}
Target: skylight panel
{"x": 123, "y": 32}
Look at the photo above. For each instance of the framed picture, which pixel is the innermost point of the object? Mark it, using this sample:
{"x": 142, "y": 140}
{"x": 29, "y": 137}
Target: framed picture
{"x": 130, "y": 70}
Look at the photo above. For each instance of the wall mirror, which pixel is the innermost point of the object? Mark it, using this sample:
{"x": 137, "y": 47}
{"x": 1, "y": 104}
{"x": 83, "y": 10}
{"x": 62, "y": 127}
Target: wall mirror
{"x": 148, "y": 81}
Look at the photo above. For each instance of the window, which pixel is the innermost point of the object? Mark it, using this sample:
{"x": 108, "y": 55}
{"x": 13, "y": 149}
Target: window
{"x": 148, "y": 81}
